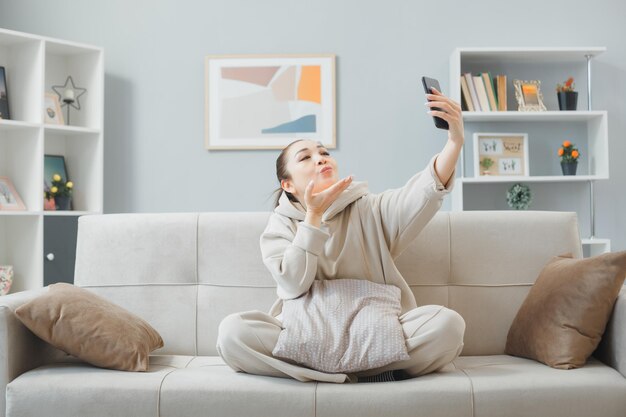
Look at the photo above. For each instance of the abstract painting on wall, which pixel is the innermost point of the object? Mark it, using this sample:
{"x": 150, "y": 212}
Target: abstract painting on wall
{"x": 268, "y": 101}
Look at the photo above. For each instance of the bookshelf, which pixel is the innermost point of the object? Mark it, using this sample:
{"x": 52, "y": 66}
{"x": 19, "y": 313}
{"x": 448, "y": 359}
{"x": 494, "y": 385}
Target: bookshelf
{"x": 586, "y": 127}
{"x": 33, "y": 64}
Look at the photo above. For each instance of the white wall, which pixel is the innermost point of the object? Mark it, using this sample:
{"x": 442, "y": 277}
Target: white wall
{"x": 154, "y": 155}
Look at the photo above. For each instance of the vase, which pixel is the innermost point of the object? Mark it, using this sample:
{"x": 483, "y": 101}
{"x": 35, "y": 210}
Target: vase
{"x": 567, "y": 100}
{"x": 569, "y": 168}
{"x": 6, "y": 279}
{"x": 49, "y": 204}
{"x": 63, "y": 202}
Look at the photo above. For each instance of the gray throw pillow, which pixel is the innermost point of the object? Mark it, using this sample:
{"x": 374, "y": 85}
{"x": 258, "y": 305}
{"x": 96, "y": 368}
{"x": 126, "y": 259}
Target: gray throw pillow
{"x": 343, "y": 326}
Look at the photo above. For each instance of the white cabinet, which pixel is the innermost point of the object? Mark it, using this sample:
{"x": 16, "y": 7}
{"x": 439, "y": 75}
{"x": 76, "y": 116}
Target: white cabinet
{"x": 587, "y": 128}
{"x": 33, "y": 64}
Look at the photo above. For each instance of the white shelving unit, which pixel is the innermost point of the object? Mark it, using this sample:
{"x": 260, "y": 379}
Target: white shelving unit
{"x": 33, "y": 64}
{"x": 546, "y": 130}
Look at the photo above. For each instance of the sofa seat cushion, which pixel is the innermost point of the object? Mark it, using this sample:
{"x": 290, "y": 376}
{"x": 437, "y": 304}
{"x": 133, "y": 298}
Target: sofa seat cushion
{"x": 513, "y": 386}
{"x": 180, "y": 386}
{"x": 76, "y": 388}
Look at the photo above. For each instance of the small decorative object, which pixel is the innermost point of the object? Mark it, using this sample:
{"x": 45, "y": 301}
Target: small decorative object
{"x": 48, "y": 200}
{"x": 54, "y": 165}
{"x": 62, "y": 192}
{"x": 507, "y": 153}
{"x": 68, "y": 95}
{"x": 6, "y": 279}
{"x": 519, "y": 196}
{"x": 569, "y": 157}
{"x": 528, "y": 95}
{"x": 568, "y": 98}
{"x": 4, "y": 100}
{"x": 9, "y": 198}
{"x": 486, "y": 163}
{"x": 52, "y": 110}
{"x": 265, "y": 101}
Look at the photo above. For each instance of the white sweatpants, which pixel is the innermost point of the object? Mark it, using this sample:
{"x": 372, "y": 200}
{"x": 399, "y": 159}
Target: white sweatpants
{"x": 433, "y": 333}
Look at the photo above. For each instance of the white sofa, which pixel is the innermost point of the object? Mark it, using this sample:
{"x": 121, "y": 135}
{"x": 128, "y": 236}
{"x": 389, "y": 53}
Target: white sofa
{"x": 184, "y": 272}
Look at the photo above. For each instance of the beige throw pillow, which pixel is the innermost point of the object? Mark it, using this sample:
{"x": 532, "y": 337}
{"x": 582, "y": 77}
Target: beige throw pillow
{"x": 343, "y": 326}
{"x": 565, "y": 313}
{"x": 91, "y": 328}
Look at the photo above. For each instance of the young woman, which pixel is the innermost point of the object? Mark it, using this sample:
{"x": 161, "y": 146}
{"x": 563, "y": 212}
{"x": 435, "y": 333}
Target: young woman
{"x": 320, "y": 224}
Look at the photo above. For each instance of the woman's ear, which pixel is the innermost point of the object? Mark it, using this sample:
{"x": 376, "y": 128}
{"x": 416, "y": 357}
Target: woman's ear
{"x": 287, "y": 186}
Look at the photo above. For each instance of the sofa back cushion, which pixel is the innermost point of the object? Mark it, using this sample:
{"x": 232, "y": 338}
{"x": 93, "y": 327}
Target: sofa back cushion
{"x": 185, "y": 272}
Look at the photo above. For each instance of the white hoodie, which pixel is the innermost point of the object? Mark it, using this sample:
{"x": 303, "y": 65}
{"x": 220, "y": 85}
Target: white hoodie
{"x": 360, "y": 236}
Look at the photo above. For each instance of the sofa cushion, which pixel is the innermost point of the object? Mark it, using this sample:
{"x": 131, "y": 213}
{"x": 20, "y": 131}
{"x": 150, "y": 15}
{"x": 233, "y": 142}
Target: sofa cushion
{"x": 77, "y": 388}
{"x": 504, "y": 385}
{"x": 561, "y": 321}
{"x": 91, "y": 328}
{"x": 343, "y": 326}
{"x": 188, "y": 386}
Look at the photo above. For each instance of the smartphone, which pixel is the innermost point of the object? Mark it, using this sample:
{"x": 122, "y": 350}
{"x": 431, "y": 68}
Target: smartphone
{"x": 428, "y": 84}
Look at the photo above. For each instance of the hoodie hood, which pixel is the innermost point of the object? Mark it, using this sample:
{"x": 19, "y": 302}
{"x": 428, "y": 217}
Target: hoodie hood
{"x": 355, "y": 190}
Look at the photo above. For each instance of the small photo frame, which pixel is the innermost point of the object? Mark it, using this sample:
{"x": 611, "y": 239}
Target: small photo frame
{"x": 528, "y": 95}
{"x": 268, "y": 101}
{"x": 9, "y": 198}
{"x": 4, "y": 98}
{"x": 52, "y": 110}
{"x": 500, "y": 154}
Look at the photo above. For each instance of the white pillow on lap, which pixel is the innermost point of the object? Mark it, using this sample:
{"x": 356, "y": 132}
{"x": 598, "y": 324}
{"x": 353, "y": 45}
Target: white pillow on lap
{"x": 343, "y": 326}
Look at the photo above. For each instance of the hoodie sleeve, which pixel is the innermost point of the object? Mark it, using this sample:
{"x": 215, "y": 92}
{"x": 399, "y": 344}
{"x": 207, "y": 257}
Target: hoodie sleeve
{"x": 291, "y": 257}
{"x": 405, "y": 211}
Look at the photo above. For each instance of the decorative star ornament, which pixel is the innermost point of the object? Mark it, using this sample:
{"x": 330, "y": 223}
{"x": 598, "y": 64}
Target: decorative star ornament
{"x": 68, "y": 99}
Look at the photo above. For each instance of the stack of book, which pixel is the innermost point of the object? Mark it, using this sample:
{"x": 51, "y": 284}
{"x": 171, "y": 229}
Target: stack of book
{"x": 481, "y": 92}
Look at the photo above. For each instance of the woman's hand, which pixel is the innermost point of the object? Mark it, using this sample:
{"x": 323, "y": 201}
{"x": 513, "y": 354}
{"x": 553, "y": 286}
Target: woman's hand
{"x": 450, "y": 112}
{"x": 317, "y": 203}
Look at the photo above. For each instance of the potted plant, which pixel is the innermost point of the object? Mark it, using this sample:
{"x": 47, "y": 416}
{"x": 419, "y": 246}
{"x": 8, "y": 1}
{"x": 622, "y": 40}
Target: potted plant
{"x": 569, "y": 157}
{"x": 62, "y": 192}
{"x": 568, "y": 98}
{"x": 486, "y": 163}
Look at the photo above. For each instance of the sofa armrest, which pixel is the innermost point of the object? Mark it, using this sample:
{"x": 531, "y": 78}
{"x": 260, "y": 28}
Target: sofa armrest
{"x": 612, "y": 347}
{"x": 20, "y": 349}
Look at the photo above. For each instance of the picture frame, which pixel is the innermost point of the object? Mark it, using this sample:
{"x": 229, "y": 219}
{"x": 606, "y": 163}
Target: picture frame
{"x": 268, "y": 101}
{"x": 9, "y": 198}
{"x": 508, "y": 153}
{"x": 52, "y": 113}
{"x": 4, "y": 96}
{"x": 528, "y": 95}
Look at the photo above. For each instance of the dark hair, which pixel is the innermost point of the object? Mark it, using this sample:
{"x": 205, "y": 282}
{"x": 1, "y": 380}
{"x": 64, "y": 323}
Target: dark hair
{"x": 283, "y": 174}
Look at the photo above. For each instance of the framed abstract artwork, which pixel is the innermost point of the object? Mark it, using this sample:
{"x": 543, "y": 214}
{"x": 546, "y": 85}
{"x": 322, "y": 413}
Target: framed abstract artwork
{"x": 500, "y": 154}
{"x": 268, "y": 101}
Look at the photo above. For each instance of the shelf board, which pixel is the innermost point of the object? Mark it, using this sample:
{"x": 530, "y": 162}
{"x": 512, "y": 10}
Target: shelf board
{"x": 19, "y": 213}
{"x": 595, "y": 241}
{"x": 526, "y": 54}
{"x": 69, "y": 130}
{"x": 16, "y": 124}
{"x": 538, "y": 178}
{"x": 68, "y": 212}
{"x": 537, "y": 116}
{"x": 46, "y": 212}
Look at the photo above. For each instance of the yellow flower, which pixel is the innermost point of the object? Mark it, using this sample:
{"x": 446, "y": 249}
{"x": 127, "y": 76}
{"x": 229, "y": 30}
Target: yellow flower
{"x": 54, "y": 189}
{"x": 56, "y": 177}
{"x": 69, "y": 184}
